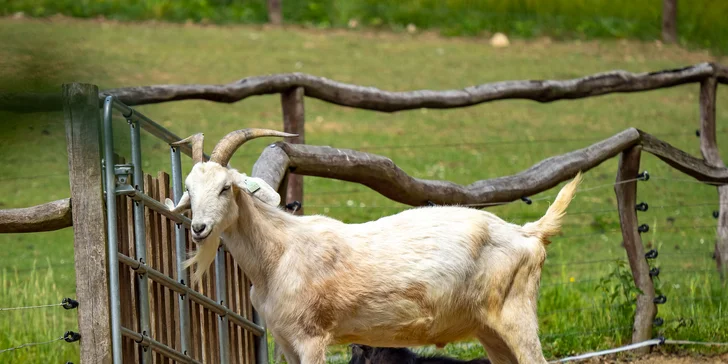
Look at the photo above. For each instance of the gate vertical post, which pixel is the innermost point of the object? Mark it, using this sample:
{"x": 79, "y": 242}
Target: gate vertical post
{"x": 629, "y": 164}
{"x": 140, "y": 237}
{"x": 294, "y": 122}
{"x": 92, "y": 263}
{"x": 261, "y": 342}
{"x": 180, "y": 241}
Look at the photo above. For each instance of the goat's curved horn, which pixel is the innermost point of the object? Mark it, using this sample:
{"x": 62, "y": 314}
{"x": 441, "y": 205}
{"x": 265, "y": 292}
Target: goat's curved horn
{"x": 230, "y": 143}
{"x": 197, "y": 143}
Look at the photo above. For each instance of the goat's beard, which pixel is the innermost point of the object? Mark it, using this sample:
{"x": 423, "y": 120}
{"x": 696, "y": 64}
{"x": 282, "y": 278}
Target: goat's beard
{"x": 203, "y": 257}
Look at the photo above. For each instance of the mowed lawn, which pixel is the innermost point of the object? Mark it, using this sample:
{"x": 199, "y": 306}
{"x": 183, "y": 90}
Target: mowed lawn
{"x": 578, "y": 311}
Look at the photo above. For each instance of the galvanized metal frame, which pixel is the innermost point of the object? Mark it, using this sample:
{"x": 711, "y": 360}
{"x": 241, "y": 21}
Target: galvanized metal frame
{"x": 140, "y": 234}
{"x": 203, "y": 300}
{"x": 180, "y": 242}
{"x": 137, "y": 121}
{"x": 110, "y": 185}
{"x": 147, "y": 342}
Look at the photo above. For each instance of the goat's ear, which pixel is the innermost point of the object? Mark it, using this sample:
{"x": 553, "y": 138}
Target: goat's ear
{"x": 184, "y": 203}
{"x": 258, "y": 188}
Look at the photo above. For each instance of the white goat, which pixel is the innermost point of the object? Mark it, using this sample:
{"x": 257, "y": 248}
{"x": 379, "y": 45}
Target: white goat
{"x": 430, "y": 275}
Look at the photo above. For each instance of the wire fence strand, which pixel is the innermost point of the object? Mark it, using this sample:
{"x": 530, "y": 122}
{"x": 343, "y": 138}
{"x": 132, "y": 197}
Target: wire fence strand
{"x": 31, "y": 344}
{"x": 688, "y": 342}
{"x": 610, "y": 351}
{"x": 30, "y": 307}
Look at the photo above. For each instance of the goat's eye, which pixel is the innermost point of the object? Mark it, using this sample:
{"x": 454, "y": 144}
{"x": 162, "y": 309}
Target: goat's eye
{"x": 226, "y": 188}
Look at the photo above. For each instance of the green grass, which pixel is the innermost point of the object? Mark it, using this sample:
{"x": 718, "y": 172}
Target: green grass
{"x": 33, "y": 286}
{"x": 578, "y": 311}
{"x": 700, "y": 22}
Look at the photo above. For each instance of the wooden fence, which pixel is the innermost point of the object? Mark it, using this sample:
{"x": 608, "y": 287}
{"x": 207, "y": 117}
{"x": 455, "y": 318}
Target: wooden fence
{"x": 283, "y": 164}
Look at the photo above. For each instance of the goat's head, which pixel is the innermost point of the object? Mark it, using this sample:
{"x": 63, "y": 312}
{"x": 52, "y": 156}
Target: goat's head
{"x": 212, "y": 188}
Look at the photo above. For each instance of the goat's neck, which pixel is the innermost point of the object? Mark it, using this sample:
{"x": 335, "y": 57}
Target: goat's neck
{"x": 258, "y": 239}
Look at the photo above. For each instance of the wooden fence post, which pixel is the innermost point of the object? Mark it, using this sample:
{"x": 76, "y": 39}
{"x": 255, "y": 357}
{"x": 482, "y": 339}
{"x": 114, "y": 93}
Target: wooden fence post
{"x": 294, "y": 122}
{"x": 83, "y": 121}
{"x": 275, "y": 14}
{"x": 629, "y": 163}
{"x": 711, "y": 155}
{"x": 669, "y": 21}
{"x": 291, "y": 188}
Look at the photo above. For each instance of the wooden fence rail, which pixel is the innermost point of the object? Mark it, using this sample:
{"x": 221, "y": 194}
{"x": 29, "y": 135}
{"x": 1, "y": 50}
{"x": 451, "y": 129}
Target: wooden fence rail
{"x": 382, "y": 175}
{"x": 372, "y": 98}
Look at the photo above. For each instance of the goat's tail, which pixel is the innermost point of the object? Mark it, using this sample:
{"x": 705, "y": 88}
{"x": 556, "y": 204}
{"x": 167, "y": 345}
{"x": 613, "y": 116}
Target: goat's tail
{"x": 550, "y": 224}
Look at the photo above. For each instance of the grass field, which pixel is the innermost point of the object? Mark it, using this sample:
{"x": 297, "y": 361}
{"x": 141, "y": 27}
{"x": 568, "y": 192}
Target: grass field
{"x": 584, "y": 303}
{"x": 699, "y": 22}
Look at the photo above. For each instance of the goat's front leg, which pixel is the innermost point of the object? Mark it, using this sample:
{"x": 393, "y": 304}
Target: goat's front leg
{"x": 288, "y": 351}
{"x": 312, "y": 349}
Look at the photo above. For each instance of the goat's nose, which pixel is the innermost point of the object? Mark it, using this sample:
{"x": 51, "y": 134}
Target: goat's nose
{"x": 198, "y": 228}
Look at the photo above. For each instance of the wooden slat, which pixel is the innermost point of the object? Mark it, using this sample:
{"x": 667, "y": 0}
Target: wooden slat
{"x": 237, "y": 339}
{"x": 195, "y": 310}
{"x": 249, "y": 313}
{"x": 235, "y": 306}
{"x": 212, "y": 319}
{"x": 126, "y": 291}
{"x": 151, "y": 246}
{"x": 231, "y": 305}
{"x": 163, "y": 304}
{"x": 129, "y": 203}
{"x": 168, "y": 259}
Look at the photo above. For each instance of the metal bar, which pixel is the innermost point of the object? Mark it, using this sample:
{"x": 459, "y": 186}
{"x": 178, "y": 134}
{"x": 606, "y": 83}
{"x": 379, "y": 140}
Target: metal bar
{"x": 221, "y": 290}
{"x": 181, "y": 245}
{"x": 153, "y": 128}
{"x": 140, "y": 239}
{"x": 155, "y": 345}
{"x": 261, "y": 342}
{"x": 205, "y": 301}
{"x": 110, "y": 183}
{"x": 152, "y": 203}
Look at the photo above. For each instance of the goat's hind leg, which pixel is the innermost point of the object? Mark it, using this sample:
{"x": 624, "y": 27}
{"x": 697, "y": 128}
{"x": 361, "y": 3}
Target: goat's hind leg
{"x": 496, "y": 348}
{"x": 513, "y": 338}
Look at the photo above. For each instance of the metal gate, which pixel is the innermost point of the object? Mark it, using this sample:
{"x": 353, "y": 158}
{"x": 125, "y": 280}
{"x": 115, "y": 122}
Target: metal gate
{"x": 155, "y": 315}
